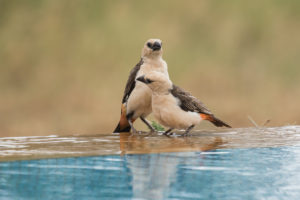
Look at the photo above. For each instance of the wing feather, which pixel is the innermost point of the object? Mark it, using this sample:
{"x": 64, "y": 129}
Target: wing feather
{"x": 189, "y": 102}
{"x": 131, "y": 81}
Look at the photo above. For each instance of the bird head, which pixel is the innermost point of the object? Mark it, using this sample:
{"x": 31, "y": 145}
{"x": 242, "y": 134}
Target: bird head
{"x": 158, "y": 82}
{"x": 152, "y": 48}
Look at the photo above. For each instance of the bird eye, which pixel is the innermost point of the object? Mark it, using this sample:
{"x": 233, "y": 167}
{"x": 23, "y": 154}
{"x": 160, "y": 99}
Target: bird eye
{"x": 149, "y": 44}
{"x": 149, "y": 80}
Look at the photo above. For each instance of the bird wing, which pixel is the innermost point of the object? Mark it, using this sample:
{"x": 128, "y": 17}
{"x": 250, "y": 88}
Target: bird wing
{"x": 131, "y": 81}
{"x": 189, "y": 102}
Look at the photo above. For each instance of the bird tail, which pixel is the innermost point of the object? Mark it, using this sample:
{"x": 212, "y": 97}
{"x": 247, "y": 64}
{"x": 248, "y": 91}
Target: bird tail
{"x": 217, "y": 122}
{"x": 120, "y": 129}
{"x": 123, "y": 125}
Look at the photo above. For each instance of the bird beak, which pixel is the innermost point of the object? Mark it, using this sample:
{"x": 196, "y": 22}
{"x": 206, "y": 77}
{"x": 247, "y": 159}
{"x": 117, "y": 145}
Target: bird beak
{"x": 156, "y": 46}
{"x": 142, "y": 79}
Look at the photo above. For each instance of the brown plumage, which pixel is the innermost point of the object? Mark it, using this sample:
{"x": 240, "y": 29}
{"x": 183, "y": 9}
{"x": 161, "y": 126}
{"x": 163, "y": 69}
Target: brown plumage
{"x": 191, "y": 103}
{"x": 123, "y": 125}
{"x": 136, "y": 101}
{"x": 175, "y": 108}
{"x": 131, "y": 81}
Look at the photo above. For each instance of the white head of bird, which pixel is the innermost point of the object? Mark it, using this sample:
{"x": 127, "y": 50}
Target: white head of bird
{"x": 152, "y": 49}
{"x": 157, "y": 82}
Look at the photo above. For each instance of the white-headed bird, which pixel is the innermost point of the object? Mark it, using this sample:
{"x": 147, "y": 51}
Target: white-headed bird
{"x": 136, "y": 102}
{"x": 175, "y": 108}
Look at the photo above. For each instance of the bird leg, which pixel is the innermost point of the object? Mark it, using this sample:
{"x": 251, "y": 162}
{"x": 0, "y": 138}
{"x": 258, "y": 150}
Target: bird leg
{"x": 134, "y": 131}
{"x": 148, "y": 124}
{"x": 168, "y": 131}
{"x": 188, "y": 130}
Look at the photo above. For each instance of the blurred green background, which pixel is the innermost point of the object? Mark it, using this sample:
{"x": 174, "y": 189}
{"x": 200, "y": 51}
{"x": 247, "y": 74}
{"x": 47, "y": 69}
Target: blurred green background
{"x": 64, "y": 64}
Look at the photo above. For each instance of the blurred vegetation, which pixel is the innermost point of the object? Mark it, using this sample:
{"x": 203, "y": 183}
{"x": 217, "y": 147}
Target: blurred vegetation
{"x": 157, "y": 126}
{"x": 64, "y": 64}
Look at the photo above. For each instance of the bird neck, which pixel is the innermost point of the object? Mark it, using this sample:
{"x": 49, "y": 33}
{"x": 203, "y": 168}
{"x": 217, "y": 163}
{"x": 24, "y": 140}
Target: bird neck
{"x": 160, "y": 92}
{"x": 152, "y": 58}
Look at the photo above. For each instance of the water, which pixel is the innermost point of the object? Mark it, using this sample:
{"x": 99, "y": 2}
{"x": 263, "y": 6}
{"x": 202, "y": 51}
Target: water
{"x": 236, "y": 164}
{"x": 256, "y": 173}
{"x": 53, "y": 146}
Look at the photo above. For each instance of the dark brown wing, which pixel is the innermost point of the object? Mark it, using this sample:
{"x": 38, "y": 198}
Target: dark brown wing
{"x": 131, "y": 81}
{"x": 189, "y": 102}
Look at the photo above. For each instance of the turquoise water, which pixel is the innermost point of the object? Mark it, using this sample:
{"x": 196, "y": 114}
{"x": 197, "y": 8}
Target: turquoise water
{"x": 254, "y": 173}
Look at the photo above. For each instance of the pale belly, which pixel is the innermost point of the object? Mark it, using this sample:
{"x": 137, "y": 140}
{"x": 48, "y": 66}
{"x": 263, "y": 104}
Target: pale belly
{"x": 139, "y": 101}
{"x": 169, "y": 114}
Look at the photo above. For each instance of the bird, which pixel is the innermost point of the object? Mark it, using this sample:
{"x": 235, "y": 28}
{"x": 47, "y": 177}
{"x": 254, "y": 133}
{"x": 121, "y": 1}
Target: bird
{"x": 136, "y": 101}
{"x": 175, "y": 108}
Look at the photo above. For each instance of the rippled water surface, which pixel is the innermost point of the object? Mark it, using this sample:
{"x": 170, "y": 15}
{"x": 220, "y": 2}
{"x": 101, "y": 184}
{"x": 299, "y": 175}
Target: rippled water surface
{"x": 237, "y": 164}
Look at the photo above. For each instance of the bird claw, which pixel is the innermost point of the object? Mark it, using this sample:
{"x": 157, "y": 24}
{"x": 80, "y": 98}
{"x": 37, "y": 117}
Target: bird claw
{"x": 152, "y": 130}
{"x": 133, "y": 131}
{"x": 185, "y": 134}
{"x": 166, "y": 134}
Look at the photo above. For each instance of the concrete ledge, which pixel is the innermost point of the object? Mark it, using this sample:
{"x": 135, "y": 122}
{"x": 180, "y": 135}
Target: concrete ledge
{"x": 26, "y": 148}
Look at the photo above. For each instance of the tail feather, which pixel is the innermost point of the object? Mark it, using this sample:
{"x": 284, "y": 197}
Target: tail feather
{"x": 120, "y": 129}
{"x": 123, "y": 125}
{"x": 217, "y": 122}
{"x": 220, "y": 123}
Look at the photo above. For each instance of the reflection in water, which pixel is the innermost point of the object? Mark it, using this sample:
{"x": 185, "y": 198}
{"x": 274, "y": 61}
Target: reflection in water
{"x": 207, "y": 165}
{"x": 257, "y": 173}
{"x": 151, "y": 176}
{"x": 137, "y": 144}
{"x": 146, "y": 169}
